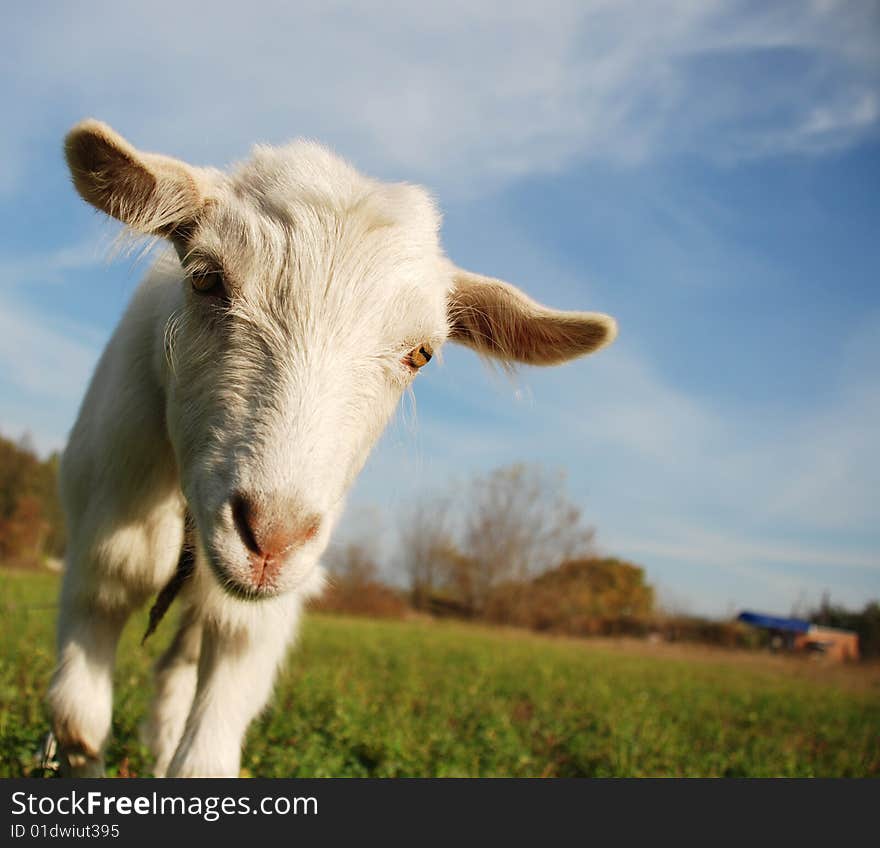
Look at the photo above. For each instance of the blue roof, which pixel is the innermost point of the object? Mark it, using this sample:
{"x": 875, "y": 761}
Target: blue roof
{"x": 772, "y": 622}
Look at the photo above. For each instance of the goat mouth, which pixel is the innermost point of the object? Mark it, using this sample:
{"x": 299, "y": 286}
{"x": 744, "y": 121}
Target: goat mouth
{"x": 236, "y": 588}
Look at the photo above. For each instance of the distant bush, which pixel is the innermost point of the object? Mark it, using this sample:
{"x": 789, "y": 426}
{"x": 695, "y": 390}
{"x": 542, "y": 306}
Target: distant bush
{"x": 706, "y": 631}
{"x": 579, "y": 597}
{"x": 354, "y": 588}
{"x": 596, "y": 596}
{"x": 372, "y": 599}
{"x": 31, "y": 520}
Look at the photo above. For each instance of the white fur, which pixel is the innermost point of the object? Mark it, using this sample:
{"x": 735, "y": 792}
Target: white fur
{"x": 279, "y": 391}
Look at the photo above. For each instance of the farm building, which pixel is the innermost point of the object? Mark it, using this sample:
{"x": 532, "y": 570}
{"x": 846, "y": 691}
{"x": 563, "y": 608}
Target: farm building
{"x": 796, "y": 634}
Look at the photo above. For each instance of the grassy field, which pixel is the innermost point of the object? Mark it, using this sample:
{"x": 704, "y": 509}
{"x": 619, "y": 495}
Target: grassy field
{"x": 368, "y": 698}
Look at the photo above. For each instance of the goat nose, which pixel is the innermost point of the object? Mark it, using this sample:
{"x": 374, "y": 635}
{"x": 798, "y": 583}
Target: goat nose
{"x": 272, "y": 527}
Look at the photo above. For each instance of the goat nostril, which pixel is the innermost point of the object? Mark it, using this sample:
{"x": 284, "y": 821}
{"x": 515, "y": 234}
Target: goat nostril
{"x": 242, "y": 515}
{"x": 272, "y": 528}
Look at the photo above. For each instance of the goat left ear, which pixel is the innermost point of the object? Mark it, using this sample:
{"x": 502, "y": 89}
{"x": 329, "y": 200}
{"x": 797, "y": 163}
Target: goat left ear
{"x": 151, "y": 193}
{"x": 497, "y": 319}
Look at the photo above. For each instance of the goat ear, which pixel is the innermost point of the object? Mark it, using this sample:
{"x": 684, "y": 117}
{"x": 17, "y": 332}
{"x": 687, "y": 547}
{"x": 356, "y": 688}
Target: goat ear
{"x": 497, "y": 319}
{"x": 151, "y": 193}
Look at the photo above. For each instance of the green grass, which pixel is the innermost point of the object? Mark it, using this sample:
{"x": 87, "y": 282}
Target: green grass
{"x": 368, "y": 698}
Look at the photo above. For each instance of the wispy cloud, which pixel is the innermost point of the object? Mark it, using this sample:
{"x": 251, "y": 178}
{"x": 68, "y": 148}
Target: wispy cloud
{"x": 44, "y": 368}
{"x": 40, "y": 356}
{"x": 827, "y": 463}
{"x": 50, "y": 266}
{"x": 464, "y": 94}
{"x": 779, "y": 477}
{"x": 691, "y": 543}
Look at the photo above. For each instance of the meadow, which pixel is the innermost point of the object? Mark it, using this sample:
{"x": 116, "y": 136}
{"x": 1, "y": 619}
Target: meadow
{"x": 361, "y": 698}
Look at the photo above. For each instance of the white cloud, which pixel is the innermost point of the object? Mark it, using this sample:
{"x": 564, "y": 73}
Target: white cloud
{"x": 458, "y": 94}
{"x": 828, "y": 464}
{"x": 45, "y": 367}
{"x": 691, "y": 543}
{"x": 50, "y": 266}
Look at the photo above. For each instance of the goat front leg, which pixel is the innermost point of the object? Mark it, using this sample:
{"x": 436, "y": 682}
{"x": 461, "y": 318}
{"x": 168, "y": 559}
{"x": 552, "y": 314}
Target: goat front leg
{"x": 176, "y": 677}
{"x": 236, "y": 673}
{"x": 81, "y": 692}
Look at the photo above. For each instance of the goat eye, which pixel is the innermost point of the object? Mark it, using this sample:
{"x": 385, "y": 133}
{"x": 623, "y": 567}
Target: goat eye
{"x": 419, "y": 356}
{"x": 209, "y": 283}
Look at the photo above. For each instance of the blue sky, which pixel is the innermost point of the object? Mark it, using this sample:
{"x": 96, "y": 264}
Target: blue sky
{"x": 707, "y": 172}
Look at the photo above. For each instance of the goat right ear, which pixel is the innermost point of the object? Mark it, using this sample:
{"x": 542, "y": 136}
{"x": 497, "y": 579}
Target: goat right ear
{"x": 150, "y": 193}
{"x": 496, "y": 319}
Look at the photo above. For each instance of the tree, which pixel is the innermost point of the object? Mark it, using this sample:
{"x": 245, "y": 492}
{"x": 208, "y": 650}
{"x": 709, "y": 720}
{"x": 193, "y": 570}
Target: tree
{"x": 580, "y": 597}
{"x": 511, "y": 524}
{"x": 866, "y": 623}
{"x": 355, "y": 587}
{"x": 520, "y": 523}
{"x": 426, "y": 540}
{"x": 31, "y": 520}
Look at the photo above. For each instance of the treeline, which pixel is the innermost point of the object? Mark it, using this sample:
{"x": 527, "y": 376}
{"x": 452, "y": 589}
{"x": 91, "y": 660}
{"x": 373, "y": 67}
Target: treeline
{"x": 510, "y": 548}
{"x": 31, "y": 520}
{"x": 507, "y": 547}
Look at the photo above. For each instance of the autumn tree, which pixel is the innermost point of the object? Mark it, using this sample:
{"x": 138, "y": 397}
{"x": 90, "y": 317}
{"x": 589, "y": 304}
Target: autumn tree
{"x": 31, "y": 520}
{"x": 426, "y": 541}
{"x": 580, "y": 597}
{"x": 518, "y": 524}
{"x": 512, "y": 523}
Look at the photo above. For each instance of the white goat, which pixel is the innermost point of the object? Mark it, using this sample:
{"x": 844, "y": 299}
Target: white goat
{"x": 233, "y": 407}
